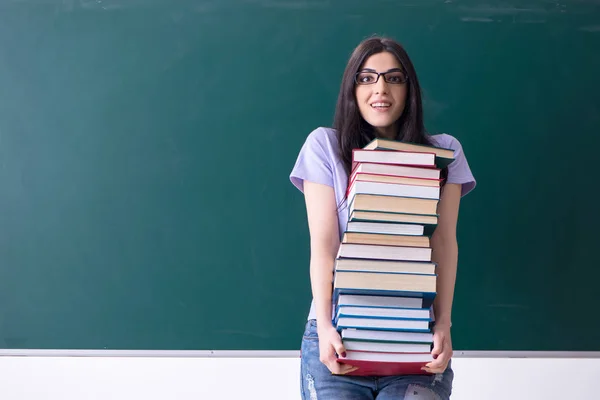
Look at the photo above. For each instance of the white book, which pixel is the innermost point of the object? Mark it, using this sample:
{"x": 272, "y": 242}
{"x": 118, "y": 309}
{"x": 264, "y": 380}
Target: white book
{"x": 383, "y": 324}
{"x": 390, "y": 313}
{"x": 371, "y": 251}
{"x": 393, "y": 189}
{"x": 389, "y": 228}
{"x": 388, "y": 357}
{"x": 398, "y": 170}
{"x": 387, "y": 336}
{"x": 388, "y": 266}
{"x": 387, "y": 347}
{"x": 394, "y": 157}
{"x": 358, "y": 300}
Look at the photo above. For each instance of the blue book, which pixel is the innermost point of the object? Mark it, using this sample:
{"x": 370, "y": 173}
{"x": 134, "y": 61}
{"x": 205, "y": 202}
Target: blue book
{"x": 417, "y": 314}
{"x": 383, "y": 324}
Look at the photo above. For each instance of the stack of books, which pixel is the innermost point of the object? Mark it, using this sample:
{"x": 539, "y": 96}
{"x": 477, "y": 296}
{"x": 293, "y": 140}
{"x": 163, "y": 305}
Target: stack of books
{"x": 384, "y": 279}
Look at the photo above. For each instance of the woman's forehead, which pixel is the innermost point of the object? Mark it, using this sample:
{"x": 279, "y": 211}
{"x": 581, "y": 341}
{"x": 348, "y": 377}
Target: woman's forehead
{"x": 383, "y": 61}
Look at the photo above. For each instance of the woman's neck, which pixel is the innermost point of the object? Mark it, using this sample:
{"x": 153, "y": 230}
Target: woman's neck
{"x": 389, "y": 132}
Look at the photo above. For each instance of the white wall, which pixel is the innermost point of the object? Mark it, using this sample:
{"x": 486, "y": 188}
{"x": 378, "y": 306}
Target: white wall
{"x": 183, "y": 378}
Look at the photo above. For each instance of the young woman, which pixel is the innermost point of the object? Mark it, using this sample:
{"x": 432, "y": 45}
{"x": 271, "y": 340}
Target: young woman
{"x": 379, "y": 97}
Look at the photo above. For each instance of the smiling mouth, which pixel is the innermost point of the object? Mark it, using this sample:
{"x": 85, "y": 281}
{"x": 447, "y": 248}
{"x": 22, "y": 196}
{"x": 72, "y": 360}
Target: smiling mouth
{"x": 380, "y": 105}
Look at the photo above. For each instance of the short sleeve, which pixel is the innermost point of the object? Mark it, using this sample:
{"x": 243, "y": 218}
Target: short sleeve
{"x": 459, "y": 170}
{"x": 313, "y": 163}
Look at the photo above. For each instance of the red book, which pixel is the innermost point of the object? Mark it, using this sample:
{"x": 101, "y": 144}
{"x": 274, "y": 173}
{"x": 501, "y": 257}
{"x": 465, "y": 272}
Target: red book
{"x": 361, "y": 176}
{"x": 395, "y": 170}
{"x": 385, "y": 364}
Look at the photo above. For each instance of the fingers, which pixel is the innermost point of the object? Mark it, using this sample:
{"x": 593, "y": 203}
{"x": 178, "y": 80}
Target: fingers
{"x": 338, "y": 346}
{"x": 346, "y": 369}
{"x": 437, "y": 348}
{"x": 441, "y": 352}
{"x": 337, "y": 367}
{"x": 435, "y": 367}
{"x": 438, "y": 365}
{"x": 438, "y": 345}
{"x": 331, "y": 346}
{"x": 437, "y": 370}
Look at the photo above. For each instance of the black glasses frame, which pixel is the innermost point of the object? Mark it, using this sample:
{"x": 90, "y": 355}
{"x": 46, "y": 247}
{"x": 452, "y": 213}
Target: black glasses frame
{"x": 384, "y": 74}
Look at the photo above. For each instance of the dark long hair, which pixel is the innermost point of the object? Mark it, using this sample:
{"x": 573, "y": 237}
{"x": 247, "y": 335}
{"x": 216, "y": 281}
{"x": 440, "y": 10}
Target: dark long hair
{"x": 352, "y": 130}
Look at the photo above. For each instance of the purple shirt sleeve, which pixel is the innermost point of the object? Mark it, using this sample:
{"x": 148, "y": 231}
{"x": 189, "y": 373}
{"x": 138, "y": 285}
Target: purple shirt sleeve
{"x": 313, "y": 163}
{"x": 459, "y": 170}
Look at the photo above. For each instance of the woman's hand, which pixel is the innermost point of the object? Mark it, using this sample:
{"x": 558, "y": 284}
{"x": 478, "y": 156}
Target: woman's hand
{"x": 330, "y": 343}
{"x": 442, "y": 350}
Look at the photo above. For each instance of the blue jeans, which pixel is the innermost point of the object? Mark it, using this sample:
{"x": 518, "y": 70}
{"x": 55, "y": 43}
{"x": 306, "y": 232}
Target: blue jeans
{"x": 318, "y": 383}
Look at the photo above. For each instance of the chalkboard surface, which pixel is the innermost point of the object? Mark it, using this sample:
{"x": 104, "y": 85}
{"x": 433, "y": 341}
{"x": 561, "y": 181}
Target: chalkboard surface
{"x": 145, "y": 148}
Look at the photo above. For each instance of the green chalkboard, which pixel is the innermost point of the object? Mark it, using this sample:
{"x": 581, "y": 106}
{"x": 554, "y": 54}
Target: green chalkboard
{"x": 145, "y": 148}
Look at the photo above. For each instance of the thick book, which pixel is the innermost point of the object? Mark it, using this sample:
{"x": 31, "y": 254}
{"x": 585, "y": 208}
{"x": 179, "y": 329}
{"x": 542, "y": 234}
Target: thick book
{"x": 379, "y": 347}
{"x": 393, "y": 204}
{"x": 392, "y": 189}
{"x": 387, "y": 336}
{"x": 383, "y": 313}
{"x": 383, "y": 324}
{"x": 382, "y": 284}
{"x": 386, "y": 364}
{"x": 359, "y": 176}
{"x": 378, "y": 252}
{"x": 352, "y": 300}
{"x": 396, "y": 170}
{"x": 385, "y": 228}
{"x": 429, "y": 221}
{"x": 394, "y": 157}
{"x": 443, "y": 156}
{"x": 392, "y": 267}
{"x": 386, "y": 239}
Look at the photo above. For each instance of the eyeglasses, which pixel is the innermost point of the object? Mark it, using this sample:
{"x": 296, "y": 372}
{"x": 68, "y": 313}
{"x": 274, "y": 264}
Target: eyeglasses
{"x": 394, "y": 76}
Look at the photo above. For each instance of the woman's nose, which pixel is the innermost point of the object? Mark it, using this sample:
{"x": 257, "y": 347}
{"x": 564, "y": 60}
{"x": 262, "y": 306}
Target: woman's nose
{"x": 380, "y": 85}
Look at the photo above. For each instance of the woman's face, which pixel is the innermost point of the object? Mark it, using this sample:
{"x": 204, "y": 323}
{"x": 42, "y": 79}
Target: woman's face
{"x": 381, "y": 101}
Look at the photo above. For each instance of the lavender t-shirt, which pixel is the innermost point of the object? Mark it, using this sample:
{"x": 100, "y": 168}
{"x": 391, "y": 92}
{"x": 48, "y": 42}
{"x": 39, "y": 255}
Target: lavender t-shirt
{"x": 319, "y": 162}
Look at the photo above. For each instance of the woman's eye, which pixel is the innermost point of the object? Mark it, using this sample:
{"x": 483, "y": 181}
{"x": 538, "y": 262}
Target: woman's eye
{"x": 365, "y": 78}
{"x": 396, "y": 78}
